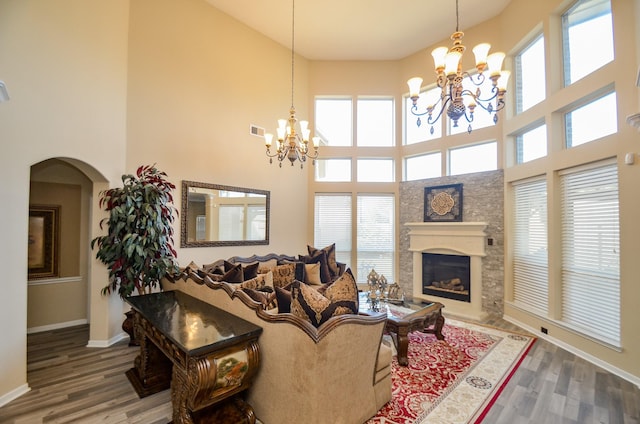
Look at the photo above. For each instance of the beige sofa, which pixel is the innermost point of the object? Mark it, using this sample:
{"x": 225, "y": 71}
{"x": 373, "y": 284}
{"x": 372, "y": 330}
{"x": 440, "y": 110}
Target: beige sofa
{"x": 337, "y": 373}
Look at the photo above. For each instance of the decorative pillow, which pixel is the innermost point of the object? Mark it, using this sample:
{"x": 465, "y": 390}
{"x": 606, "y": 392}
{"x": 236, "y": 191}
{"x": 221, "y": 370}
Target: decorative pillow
{"x": 234, "y": 274}
{"x": 266, "y": 299}
{"x": 283, "y": 274}
{"x": 340, "y": 298}
{"x": 267, "y": 266}
{"x": 330, "y": 251}
{"x": 312, "y": 274}
{"x": 299, "y": 268}
{"x": 253, "y": 283}
{"x": 250, "y": 271}
{"x": 213, "y": 269}
{"x": 321, "y": 257}
{"x": 283, "y": 298}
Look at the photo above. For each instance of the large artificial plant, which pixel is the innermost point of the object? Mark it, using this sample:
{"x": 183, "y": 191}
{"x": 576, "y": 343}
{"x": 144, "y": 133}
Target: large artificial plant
{"x": 138, "y": 247}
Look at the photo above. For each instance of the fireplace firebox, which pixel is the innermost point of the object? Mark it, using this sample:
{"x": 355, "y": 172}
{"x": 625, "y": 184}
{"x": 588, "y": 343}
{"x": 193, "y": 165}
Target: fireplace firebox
{"x": 447, "y": 276}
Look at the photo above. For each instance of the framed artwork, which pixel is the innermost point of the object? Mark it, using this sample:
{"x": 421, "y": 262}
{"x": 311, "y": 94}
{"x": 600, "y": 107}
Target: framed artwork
{"x": 44, "y": 234}
{"x": 443, "y": 203}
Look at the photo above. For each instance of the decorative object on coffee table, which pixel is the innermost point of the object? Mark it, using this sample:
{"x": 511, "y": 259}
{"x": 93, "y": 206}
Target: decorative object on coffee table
{"x": 443, "y": 203}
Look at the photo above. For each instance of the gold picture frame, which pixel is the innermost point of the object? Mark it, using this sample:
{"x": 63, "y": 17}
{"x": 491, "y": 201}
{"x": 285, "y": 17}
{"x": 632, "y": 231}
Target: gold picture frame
{"x": 44, "y": 228}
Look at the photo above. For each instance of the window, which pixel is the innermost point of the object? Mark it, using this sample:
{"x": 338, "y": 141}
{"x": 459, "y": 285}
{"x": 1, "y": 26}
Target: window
{"x": 375, "y": 119}
{"x": 530, "y": 75}
{"x": 423, "y": 166}
{"x": 332, "y": 224}
{"x": 476, "y": 158}
{"x": 590, "y": 252}
{"x": 592, "y": 121}
{"x": 481, "y": 118}
{"x": 375, "y": 170}
{"x": 333, "y": 121}
{"x": 531, "y": 144}
{"x": 588, "y": 38}
{"x": 530, "y": 263}
{"x": 376, "y": 235}
{"x": 424, "y": 132}
{"x": 333, "y": 170}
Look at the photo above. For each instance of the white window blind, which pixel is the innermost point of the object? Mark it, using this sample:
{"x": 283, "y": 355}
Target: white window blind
{"x": 332, "y": 224}
{"x": 590, "y": 252}
{"x": 530, "y": 263}
{"x": 376, "y": 231}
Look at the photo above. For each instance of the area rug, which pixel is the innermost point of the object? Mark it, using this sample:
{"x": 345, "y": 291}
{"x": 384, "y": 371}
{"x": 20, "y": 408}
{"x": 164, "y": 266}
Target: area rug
{"x": 455, "y": 380}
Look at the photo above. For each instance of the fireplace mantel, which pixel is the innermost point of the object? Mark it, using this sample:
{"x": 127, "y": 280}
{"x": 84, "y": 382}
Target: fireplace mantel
{"x": 455, "y": 238}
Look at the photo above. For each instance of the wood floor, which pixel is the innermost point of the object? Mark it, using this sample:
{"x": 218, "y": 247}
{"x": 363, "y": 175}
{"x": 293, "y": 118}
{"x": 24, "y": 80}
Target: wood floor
{"x": 71, "y": 383}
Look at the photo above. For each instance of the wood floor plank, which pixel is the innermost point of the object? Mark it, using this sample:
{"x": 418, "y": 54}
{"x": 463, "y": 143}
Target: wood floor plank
{"x": 71, "y": 383}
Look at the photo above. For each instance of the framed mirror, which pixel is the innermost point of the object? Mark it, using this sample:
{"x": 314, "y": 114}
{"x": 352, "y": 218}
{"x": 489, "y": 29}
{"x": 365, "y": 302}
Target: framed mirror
{"x": 218, "y": 215}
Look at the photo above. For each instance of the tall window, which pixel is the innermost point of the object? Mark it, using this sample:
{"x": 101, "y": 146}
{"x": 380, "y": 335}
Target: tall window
{"x": 334, "y": 121}
{"x": 423, "y": 166}
{"x": 375, "y": 122}
{"x": 531, "y": 144}
{"x": 375, "y": 170}
{"x": 376, "y": 232}
{"x": 530, "y": 263}
{"x": 414, "y": 133}
{"x": 590, "y": 252}
{"x": 530, "y": 75}
{"x": 333, "y": 170}
{"x": 332, "y": 224}
{"x": 476, "y": 158}
{"x": 579, "y": 123}
{"x": 588, "y": 38}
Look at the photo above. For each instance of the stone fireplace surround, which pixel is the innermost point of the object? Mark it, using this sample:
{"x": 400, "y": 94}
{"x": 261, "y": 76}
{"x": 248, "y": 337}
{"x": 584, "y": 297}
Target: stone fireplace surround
{"x": 451, "y": 238}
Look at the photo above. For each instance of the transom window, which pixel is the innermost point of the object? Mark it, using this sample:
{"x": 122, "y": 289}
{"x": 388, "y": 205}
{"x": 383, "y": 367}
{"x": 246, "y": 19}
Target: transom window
{"x": 476, "y": 158}
{"x": 375, "y": 122}
{"x": 592, "y": 121}
{"x": 333, "y": 121}
{"x": 530, "y": 75}
{"x": 532, "y": 144}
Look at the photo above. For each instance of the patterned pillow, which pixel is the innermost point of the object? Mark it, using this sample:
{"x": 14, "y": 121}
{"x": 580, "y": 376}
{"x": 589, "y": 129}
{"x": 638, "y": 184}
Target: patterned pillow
{"x": 266, "y": 299}
{"x": 253, "y": 283}
{"x": 330, "y": 251}
{"x": 321, "y": 257}
{"x": 340, "y": 298}
{"x": 283, "y": 274}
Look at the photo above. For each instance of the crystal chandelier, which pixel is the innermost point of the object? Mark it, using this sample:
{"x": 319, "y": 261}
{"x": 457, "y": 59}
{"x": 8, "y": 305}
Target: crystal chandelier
{"x": 291, "y": 144}
{"x": 455, "y": 99}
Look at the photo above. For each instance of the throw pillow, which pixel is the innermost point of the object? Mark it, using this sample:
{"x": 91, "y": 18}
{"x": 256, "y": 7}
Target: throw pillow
{"x": 299, "y": 267}
{"x": 250, "y": 271}
{"x": 330, "y": 251}
{"x": 340, "y": 298}
{"x": 312, "y": 274}
{"x": 253, "y": 283}
{"x": 283, "y": 274}
{"x": 266, "y": 299}
{"x": 233, "y": 274}
{"x": 321, "y": 257}
{"x": 283, "y": 298}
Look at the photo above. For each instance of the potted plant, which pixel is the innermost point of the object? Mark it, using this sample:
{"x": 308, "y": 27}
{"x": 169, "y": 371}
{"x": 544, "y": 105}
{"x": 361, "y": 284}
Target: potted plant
{"x": 138, "y": 247}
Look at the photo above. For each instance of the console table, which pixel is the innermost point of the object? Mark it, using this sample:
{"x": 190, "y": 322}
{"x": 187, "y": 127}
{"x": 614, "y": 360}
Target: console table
{"x": 204, "y": 354}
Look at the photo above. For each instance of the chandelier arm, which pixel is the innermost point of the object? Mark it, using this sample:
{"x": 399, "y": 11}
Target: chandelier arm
{"x": 480, "y": 77}
{"x": 443, "y": 107}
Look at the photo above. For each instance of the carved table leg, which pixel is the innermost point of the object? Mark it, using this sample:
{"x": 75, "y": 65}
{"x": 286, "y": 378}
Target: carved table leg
{"x": 437, "y": 328}
{"x": 402, "y": 345}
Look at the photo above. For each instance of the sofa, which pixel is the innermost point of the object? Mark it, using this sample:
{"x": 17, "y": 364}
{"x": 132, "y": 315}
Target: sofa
{"x": 338, "y": 372}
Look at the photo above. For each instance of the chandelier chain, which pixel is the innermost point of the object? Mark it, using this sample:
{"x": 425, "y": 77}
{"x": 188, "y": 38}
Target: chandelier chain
{"x": 293, "y": 38}
{"x": 457, "y": 18}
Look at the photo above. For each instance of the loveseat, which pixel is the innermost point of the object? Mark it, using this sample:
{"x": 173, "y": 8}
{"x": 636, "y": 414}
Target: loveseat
{"x": 338, "y": 372}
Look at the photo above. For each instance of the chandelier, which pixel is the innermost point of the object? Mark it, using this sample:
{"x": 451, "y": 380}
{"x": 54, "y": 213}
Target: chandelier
{"x": 291, "y": 144}
{"x": 455, "y": 99}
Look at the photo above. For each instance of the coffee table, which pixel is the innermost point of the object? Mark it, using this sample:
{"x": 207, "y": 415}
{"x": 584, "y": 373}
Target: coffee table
{"x": 404, "y": 318}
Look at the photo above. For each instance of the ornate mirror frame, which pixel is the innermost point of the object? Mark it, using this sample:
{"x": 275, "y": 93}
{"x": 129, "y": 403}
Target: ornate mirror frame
{"x": 188, "y": 240}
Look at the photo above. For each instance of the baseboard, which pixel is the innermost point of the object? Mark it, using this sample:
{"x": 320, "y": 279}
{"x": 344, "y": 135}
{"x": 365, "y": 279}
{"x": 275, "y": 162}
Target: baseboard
{"x": 584, "y": 355}
{"x": 56, "y": 326}
{"x": 14, "y": 394}
{"x": 106, "y": 343}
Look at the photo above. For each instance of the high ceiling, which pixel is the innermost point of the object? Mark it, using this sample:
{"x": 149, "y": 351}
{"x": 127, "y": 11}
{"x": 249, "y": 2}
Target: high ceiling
{"x": 359, "y": 29}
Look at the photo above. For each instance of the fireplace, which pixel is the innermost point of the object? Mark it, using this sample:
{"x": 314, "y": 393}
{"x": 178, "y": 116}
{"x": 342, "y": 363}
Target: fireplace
{"x": 447, "y": 276}
{"x": 462, "y": 246}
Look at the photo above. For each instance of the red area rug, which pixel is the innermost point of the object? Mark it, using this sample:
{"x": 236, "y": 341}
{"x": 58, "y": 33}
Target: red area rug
{"x": 455, "y": 380}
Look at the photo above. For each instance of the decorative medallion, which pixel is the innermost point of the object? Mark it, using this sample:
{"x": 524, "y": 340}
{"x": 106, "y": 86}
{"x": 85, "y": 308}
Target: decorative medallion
{"x": 443, "y": 203}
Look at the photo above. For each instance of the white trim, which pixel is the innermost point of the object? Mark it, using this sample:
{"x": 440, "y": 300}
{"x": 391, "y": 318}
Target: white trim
{"x": 14, "y": 394}
{"x": 588, "y": 357}
{"x": 108, "y": 343}
{"x": 56, "y": 326}
{"x": 76, "y": 279}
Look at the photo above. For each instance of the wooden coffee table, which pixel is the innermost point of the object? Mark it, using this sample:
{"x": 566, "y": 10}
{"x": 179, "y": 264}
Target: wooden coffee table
{"x": 405, "y": 318}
